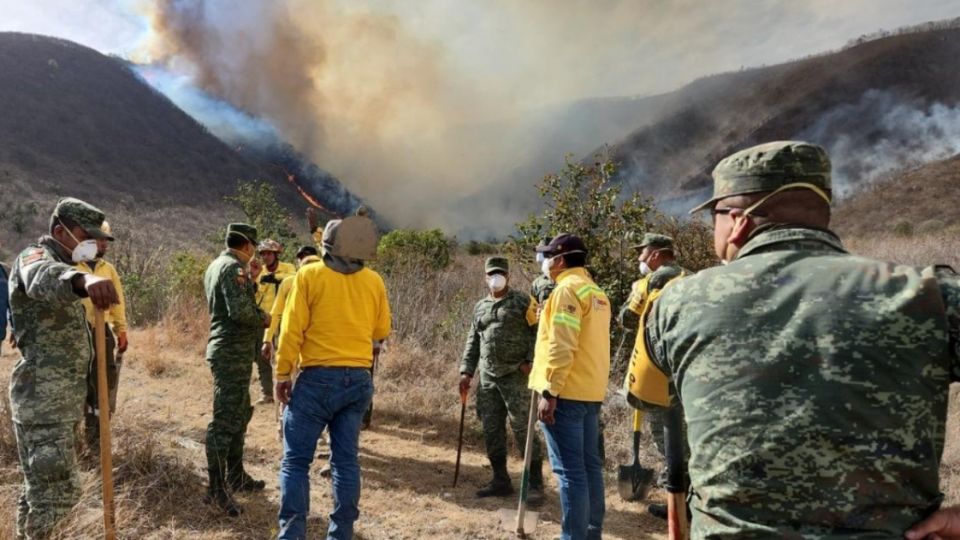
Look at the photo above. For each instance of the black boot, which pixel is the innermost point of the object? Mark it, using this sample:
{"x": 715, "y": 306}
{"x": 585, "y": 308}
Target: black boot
{"x": 658, "y": 511}
{"x": 218, "y": 495}
{"x": 535, "y": 493}
{"x": 241, "y": 481}
{"x": 500, "y": 485}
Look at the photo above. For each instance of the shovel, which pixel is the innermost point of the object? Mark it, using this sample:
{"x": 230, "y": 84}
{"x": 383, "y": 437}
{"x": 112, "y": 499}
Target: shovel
{"x": 103, "y": 398}
{"x": 633, "y": 481}
{"x": 520, "y": 521}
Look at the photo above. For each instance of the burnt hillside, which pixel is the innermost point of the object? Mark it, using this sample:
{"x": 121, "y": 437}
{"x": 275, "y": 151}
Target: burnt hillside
{"x": 841, "y": 100}
{"x": 76, "y": 122}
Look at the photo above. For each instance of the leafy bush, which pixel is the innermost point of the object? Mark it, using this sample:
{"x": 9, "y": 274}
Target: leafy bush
{"x": 475, "y": 247}
{"x": 903, "y": 228}
{"x": 405, "y": 248}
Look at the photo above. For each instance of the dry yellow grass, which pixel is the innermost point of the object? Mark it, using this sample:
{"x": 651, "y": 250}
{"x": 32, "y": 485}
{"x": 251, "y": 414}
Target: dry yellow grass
{"x": 407, "y": 457}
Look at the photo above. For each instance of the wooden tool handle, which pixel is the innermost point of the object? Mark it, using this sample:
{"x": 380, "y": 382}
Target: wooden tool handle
{"x": 103, "y": 404}
{"x": 678, "y": 527}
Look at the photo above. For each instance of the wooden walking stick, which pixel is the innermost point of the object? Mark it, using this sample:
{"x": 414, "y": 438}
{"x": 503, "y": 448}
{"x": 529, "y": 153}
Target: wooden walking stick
{"x": 103, "y": 403}
{"x": 463, "y": 412}
{"x": 678, "y": 526}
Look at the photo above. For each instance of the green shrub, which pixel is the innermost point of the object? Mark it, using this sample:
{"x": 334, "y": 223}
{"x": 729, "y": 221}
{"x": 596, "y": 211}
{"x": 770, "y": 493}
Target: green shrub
{"x": 903, "y": 228}
{"x": 404, "y": 248}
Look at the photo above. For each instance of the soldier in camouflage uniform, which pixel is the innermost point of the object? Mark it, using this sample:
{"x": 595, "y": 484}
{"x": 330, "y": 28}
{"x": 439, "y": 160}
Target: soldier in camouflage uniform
{"x": 658, "y": 266}
{"x": 236, "y": 326}
{"x": 542, "y": 286}
{"x": 814, "y": 382}
{"x": 49, "y": 382}
{"x": 500, "y": 346}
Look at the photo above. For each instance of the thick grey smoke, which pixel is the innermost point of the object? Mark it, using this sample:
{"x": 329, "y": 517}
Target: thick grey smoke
{"x": 445, "y": 113}
{"x": 883, "y": 133}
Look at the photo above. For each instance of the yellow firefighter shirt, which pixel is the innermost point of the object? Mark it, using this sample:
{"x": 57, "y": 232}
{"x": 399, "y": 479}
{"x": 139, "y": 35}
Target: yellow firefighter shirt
{"x": 332, "y": 319}
{"x": 116, "y": 316}
{"x": 276, "y": 311}
{"x": 572, "y": 355}
{"x": 268, "y": 284}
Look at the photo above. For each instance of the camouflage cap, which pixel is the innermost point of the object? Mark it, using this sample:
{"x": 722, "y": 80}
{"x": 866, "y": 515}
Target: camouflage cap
{"x": 247, "y": 231}
{"x": 269, "y": 245}
{"x": 767, "y": 167}
{"x": 654, "y": 240}
{"x": 496, "y": 264}
{"x": 85, "y": 215}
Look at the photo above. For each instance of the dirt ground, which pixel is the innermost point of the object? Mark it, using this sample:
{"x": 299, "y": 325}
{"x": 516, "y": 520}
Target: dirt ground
{"x": 164, "y": 407}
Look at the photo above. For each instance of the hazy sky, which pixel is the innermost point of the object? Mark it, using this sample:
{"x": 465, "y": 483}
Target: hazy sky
{"x": 539, "y": 50}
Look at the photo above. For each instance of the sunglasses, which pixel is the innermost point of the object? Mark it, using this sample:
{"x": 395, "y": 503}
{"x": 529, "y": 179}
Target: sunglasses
{"x": 714, "y": 212}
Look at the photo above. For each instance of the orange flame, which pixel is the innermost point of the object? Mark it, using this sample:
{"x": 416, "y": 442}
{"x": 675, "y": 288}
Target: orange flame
{"x": 309, "y": 198}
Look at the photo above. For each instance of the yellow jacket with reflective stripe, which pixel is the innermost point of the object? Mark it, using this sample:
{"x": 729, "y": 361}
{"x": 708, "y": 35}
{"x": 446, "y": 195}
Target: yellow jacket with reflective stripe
{"x": 267, "y": 292}
{"x": 332, "y": 319}
{"x": 572, "y": 355}
{"x": 116, "y": 316}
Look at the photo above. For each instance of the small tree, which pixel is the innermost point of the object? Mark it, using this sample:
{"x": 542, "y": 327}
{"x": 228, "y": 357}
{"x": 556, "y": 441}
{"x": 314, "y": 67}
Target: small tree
{"x": 258, "y": 201}
{"x": 403, "y": 249}
{"x": 583, "y": 200}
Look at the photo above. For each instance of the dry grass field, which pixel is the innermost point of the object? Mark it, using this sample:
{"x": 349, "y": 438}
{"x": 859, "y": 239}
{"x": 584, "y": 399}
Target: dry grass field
{"x": 407, "y": 456}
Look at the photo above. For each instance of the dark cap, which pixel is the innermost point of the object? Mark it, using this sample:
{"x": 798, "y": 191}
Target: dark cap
{"x": 247, "y": 231}
{"x": 496, "y": 264}
{"x": 656, "y": 241}
{"x": 767, "y": 167}
{"x": 306, "y": 251}
{"x": 561, "y": 244}
{"x": 86, "y": 216}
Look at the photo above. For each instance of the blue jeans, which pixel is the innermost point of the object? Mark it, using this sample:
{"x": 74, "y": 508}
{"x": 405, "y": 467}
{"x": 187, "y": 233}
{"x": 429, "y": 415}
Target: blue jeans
{"x": 323, "y": 397}
{"x": 574, "y": 444}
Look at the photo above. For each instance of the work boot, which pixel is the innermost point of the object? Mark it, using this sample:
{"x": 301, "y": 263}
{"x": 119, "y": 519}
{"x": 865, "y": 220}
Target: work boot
{"x": 658, "y": 511}
{"x": 326, "y": 471}
{"x": 265, "y": 399}
{"x": 535, "y": 492}
{"x": 218, "y": 495}
{"x": 244, "y": 482}
{"x": 500, "y": 486}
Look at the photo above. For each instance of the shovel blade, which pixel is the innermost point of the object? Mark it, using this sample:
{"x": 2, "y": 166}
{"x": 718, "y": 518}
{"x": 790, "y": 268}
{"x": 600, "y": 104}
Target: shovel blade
{"x": 508, "y": 521}
{"x": 633, "y": 482}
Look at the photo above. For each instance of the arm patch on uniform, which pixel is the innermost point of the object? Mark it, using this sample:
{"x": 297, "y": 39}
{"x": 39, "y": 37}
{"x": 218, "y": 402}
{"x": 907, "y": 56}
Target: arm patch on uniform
{"x": 241, "y": 276}
{"x": 28, "y": 258}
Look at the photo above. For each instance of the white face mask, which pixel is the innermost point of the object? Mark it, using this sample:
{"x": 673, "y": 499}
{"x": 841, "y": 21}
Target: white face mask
{"x": 496, "y": 282}
{"x": 540, "y": 258}
{"x": 644, "y": 269}
{"x": 84, "y": 251}
{"x": 545, "y": 266}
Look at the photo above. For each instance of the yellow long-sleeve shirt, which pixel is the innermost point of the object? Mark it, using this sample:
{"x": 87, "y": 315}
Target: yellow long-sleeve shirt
{"x": 116, "y": 316}
{"x": 280, "y": 302}
{"x": 332, "y": 319}
{"x": 572, "y": 355}
{"x": 268, "y": 284}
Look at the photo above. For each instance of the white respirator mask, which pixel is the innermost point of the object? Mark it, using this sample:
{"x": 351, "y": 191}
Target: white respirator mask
{"x": 496, "y": 282}
{"x": 545, "y": 265}
{"x": 84, "y": 251}
{"x": 644, "y": 268}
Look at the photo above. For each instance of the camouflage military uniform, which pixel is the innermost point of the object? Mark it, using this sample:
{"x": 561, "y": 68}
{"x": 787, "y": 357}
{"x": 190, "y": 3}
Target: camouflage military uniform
{"x": 815, "y": 383}
{"x": 48, "y": 383}
{"x": 541, "y": 288}
{"x": 236, "y": 324}
{"x": 501, "y": 338}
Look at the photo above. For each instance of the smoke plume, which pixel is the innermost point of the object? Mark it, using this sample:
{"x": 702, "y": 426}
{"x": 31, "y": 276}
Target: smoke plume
{"x": 445, "y": 113}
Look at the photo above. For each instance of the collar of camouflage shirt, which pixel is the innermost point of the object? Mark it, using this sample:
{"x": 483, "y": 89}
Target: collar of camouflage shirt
{"x": 778, "y": 235}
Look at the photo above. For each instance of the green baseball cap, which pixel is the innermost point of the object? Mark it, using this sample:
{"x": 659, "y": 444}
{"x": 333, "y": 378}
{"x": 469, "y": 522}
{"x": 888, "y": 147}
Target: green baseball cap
{"x": 247, "y": 231}
{"x": 654, "y": 240}
{"x": 85, "y": 215}
{"x": 497, "y": 264}
{"x": 770, "y": 166}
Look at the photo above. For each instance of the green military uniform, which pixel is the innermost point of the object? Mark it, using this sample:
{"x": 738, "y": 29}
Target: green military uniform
{"x": 629, "y": 319}
{"x": 48, "y": 383}
{"x": 500, "y": 340}
{"x": 541, "y": 288}
{"x": 815, "y": 382}
{"x": 236, "y": 326}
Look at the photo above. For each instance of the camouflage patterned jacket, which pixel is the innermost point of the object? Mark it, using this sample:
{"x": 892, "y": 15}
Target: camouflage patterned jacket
{"x": 502, "y": 335}
{"x": 815, "y": 387}
{"x": 49, "y": 382}
{"x": 541, "y": 288}
{"x": 236, "y": 323}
